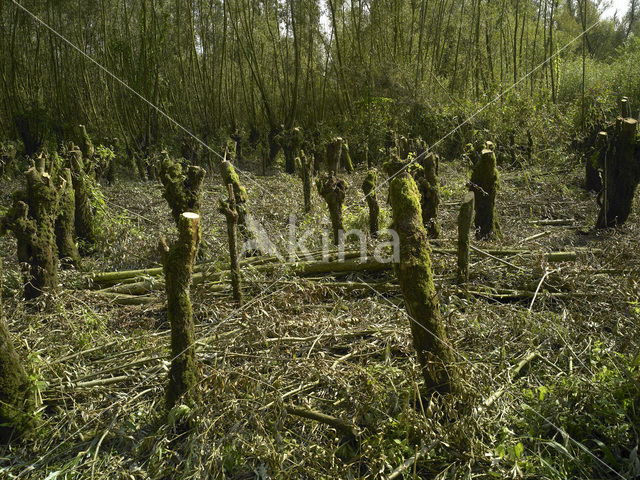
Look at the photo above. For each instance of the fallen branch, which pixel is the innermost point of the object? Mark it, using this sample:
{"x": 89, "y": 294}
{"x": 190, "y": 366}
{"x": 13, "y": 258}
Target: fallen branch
{"x": 347, "y": 428}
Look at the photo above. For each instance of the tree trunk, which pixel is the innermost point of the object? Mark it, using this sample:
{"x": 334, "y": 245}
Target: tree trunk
{"x": 333, "y": 190}
{"x": 178, "y": 266}
{"x": 183, "y": 192}
{"x": 485, "y": 183}
{"x": 64, "y": 227}
{"x": 369, "y": 188}
{"x": 229, "y": 176}
{"x": 15, "y": 389}
{"x": 621, "y": 173}
{"x": 334, "y": 152}
{"x": 85, "y": 220}
{"x": 228, "y": 209}
{"x": 429, "y": 188}
{"x": 465, "y": 220}
{"x": 416, "y": 282}
{"x": 307, "y": 180}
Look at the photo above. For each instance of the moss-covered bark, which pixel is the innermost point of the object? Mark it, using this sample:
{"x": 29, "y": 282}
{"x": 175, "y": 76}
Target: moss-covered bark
{"x": 183, "y": 192}
{"x": 16, "y": 406}
{"x": 369, "y": 188}
{"x": 228, "y": 209}
{"x": 622, "y": 173}
{"x": 485, "y": 183}
{"x": 465, "y": 220}
{"x": 31, "y": 218}
{"x": 429, "y": 187}
{"x": 334, "y": 154}
{"x": 86, "y": 145}
{"x": 594, "y": 163}
{"x": 416, "y": 281}
{"x": 307, "y": 179}
{"x": 333, "y": 190}
{"x": 86, "y": 222}
{"x": 178, "y": 266}
{"x": 65, "y": 221}
{"x": 229, "y": 176}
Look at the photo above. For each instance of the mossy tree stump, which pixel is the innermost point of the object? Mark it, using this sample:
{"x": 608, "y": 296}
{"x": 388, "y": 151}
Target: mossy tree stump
{"x": 485, "y": 183}
{"x": 595, "y": 163}
{"x": 16, "y": 405}
{"x": 290, "y": 140}
{"x": 429, "y": 187}
{"x": 621, "y": 173}
{"x": 416, "y": 281}
{"x": 465, "y": 221}
{"x": 182, "y": 191}
{"x": 86, "y": 222}
{"x": 307, "y": 179}
{"x": 65, "y": 223}
{"x": 334, "y": 154}
{"x": 228, "y": 209}
{"x": 229, "y": 176}
{"x": 31, "y": 218}
{"x": 333, "y": 190}
{"x": 369, "y": 187}
{"x": 178, "y": 266}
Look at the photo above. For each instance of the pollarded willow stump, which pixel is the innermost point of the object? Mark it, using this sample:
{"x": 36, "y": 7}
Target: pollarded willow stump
{"x": 16, "y": 406}
{"x": 31, "y": 218}
{"x": 622, "y": 174}
{"x": 403, "y": 147}
{"x": 369, "y": 187}
{"x": 595, "y": 163}
{"x": 416, "y": 281}
{"x": 183, "y": 192}
{"x": 178, "y": 266}
{"x": 334, "y": 154}
{"x": 307, "y": 179}
{"x": 65, "y": 223}
{"x": 333, "y": 190}
{"x": 429, "y": 187}
{"x": 485, "y": 183}
{"x": 290, "y": 140}
{"x": 229, "y": 176}
{"x": 465, "y": 221}
{"x": 86, "y": 222}
{"x": 228, "y": 209}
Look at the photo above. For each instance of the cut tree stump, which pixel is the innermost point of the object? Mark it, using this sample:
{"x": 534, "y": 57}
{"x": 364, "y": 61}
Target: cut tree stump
{"x": 228, "y": 209}
{"x": 621, "y": 176}
{"x": 178, "y": 266}
{"x": 16, "y": 406}
{"x": 416, "y": 282}
{"x": 333, "y": 190}
{"x": 465, "y": 221}
{"x": 485, "y": 183}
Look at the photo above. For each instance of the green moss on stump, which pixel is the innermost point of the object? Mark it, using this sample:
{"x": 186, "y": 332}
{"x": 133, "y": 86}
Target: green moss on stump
{"x": 416, "y": 281}
{"x": 429, "y": 188}
{"x": 485, "y": 183}
{"x": 178, "y": 266}
{"x": 183, "y": 192}
{"x": 86, "y": 222}
{"x": 229, "y": 176}
{"x": 64, "y": 226}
